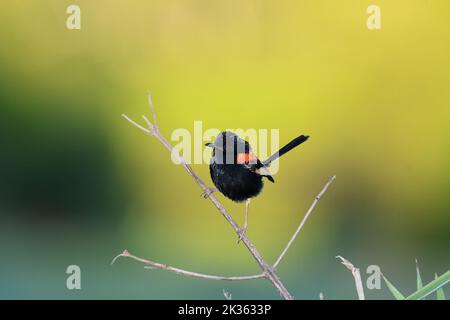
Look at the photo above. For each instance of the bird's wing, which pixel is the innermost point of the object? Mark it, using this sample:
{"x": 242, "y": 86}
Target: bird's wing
{"x": 251, "y": 162}
{"x": 265, "y": 172}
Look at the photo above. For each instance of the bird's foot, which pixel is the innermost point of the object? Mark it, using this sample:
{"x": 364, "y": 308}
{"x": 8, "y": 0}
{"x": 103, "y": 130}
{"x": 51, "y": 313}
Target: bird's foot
{"x": 205, "y": 194}
{"x": 242, "y": 234}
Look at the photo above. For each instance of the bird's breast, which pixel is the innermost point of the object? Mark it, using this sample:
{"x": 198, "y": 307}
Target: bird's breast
{"x": 235, "y": 181}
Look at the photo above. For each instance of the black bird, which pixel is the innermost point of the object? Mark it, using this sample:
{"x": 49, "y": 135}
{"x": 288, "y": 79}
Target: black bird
{"x": 236, "y": 171}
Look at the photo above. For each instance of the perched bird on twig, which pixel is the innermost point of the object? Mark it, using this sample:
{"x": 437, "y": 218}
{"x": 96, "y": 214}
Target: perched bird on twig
{"x": 236, "y": 171}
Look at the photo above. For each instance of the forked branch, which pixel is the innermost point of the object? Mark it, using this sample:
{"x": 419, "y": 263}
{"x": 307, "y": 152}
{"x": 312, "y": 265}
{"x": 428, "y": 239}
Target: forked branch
{"x": 268, "y": 272}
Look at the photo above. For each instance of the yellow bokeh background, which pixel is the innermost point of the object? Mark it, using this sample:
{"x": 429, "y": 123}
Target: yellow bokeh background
{"x": 80, "y": 184}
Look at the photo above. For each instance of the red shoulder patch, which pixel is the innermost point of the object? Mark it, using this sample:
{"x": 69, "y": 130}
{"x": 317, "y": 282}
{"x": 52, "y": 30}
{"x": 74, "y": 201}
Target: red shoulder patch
{"x": 245, "y": 158}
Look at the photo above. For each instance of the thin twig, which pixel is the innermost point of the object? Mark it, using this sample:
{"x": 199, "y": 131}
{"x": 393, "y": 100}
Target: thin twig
{"x": 356, "y": 276}
{"x": 152, "y": 110}
{"x": 137, "y": 124}
{"x": 156, "y": 265}
{"x": 267, "y": 271}
{"x": 302, "y": 223}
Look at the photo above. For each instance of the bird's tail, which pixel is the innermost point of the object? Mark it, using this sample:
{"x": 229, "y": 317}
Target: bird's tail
{"x": 291, "y": 145}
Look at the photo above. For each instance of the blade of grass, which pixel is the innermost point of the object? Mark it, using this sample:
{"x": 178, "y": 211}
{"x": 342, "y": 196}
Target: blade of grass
{"x": 419, "y": 278}
{"x": 440, "y": 292}
{"x": 397, "y": 294}
{"x": 430, "y": 287}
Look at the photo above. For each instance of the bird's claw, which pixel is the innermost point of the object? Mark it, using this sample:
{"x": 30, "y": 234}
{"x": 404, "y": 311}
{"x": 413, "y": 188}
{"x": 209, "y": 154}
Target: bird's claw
{"x": 242, "y": 234}
{"x": 205, "y": 194}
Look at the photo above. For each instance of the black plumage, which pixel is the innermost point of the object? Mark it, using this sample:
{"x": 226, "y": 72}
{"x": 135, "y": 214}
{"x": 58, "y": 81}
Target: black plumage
{"x": 236, "y": 182}
{"x": 236, "y": 179}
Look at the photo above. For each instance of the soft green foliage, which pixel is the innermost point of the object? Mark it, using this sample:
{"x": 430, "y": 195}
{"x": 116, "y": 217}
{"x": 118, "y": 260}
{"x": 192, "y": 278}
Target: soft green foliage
{"x": 440, "y": 292}
{"x": 397, "y": 294}
{"x": 419, "y": 278}
{"x": 431, "y": 287}
{"x": 422, "y": 291}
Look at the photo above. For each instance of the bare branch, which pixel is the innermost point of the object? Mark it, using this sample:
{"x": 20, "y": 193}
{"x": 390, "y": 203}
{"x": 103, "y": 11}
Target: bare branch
{"x": 152, "y": 111}
{"x": 356, "y": 276}
{"x": 302, "y": 223}
{"x": 156, "y": 265}
{"x": 267, "y": 271}
{"x": 149, "y": 131}
{"x": 149, "y": 124}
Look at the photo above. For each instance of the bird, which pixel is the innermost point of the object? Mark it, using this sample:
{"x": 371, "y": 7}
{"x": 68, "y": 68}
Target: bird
{"x": 237, "y": 172}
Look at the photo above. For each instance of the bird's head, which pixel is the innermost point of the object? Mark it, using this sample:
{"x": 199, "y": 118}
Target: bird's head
{"x": 228, "y": 148}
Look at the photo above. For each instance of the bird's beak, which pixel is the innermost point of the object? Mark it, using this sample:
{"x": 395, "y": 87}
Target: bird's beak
{"x": 211, "y": 145}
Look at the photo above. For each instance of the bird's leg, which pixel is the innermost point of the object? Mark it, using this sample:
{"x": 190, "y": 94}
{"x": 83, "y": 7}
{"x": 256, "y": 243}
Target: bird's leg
{"x": 243, "y": 231}
{"x": 205, "y": 194}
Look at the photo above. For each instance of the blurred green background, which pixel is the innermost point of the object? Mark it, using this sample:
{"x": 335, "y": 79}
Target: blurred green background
{"x": 78, "y": 184}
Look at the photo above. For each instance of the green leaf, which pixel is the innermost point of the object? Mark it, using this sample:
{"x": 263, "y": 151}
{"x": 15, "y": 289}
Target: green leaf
{"x": 397, "y": 294}
{"x": 419, "y": 278}
{"x": 430, "y": 287}
{"x": 440, "y": 292}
